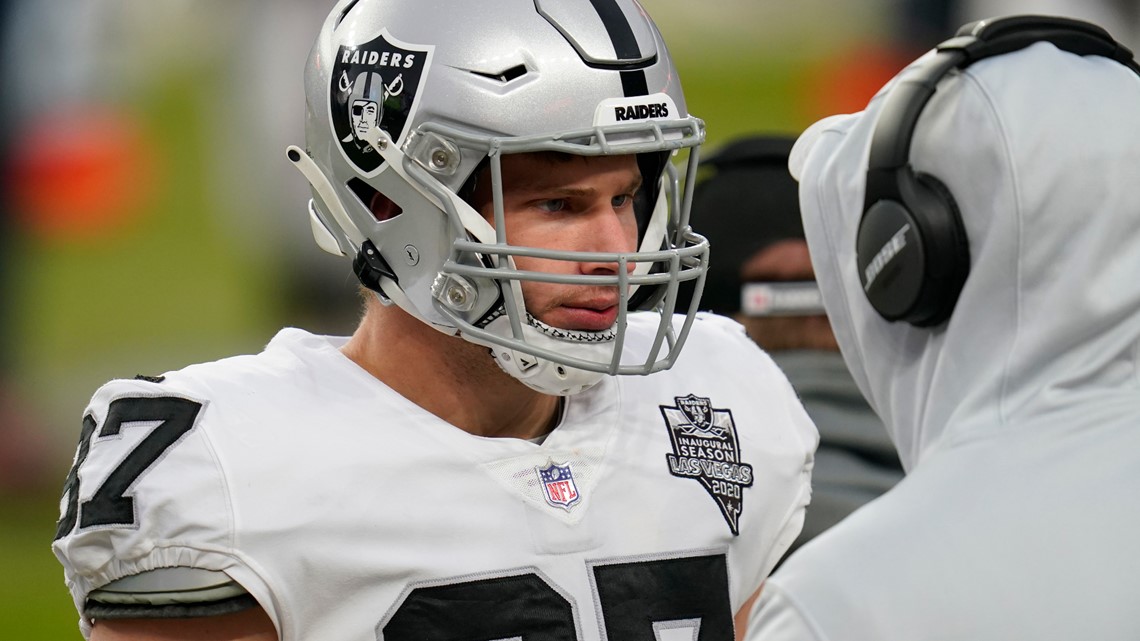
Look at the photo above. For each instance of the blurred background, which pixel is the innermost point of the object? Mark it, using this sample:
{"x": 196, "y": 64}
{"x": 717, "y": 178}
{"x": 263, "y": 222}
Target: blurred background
{"x": 149, "y": 219}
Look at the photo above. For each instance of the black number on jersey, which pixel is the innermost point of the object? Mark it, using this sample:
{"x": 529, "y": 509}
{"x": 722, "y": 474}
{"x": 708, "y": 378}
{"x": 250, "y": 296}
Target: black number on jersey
{"x": 110, "y": 504}
{"x": 635, "y": 595}
{"x": 523, "y": 606}
{"x": 635, "y": 599}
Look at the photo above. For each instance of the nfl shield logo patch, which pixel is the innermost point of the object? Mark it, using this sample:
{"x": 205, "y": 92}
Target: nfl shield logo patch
{"x": 558, "y": 485}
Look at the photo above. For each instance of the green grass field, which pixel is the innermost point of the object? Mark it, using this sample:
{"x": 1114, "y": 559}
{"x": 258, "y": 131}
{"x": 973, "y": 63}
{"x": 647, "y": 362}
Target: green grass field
{"x": 34, "y": 604}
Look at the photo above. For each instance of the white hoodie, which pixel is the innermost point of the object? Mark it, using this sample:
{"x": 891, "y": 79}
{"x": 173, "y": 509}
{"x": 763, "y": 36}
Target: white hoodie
{"x": 1018, "y": 421}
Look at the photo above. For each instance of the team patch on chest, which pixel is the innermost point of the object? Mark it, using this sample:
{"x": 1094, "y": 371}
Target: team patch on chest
{"x": 706, "y": 449}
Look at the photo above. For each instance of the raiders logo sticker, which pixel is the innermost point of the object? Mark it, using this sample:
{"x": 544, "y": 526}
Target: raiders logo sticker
{"x": 705, "y": 448}
{"x": 375, "y": 84}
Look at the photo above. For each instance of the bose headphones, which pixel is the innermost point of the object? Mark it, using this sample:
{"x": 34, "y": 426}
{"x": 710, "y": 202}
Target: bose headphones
{"x": 911, "y": 249}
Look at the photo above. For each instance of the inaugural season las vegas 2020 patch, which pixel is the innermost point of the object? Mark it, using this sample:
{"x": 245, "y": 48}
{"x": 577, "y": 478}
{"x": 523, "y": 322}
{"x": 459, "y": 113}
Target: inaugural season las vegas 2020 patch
{"x": 375, "y": 84}
{"x": 705, "y": 448}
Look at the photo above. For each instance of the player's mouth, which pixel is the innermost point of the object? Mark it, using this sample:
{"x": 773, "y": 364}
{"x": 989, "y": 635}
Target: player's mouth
{"x": 590, "y": 315}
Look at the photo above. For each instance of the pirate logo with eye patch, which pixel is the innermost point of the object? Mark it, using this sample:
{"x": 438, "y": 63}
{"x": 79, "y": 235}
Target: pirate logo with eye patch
{"x": 375, "y": 84}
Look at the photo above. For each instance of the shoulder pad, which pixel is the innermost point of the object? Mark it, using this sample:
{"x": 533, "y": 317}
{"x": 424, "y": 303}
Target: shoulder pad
{"x": 168, "y": 593}
{"x": 165, "y": 586}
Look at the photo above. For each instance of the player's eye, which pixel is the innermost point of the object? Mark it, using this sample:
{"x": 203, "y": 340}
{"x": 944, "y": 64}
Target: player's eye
{"x": 357, "y": 110}
{"x": 621, "y": 201}
{"x": 552, "y": 206}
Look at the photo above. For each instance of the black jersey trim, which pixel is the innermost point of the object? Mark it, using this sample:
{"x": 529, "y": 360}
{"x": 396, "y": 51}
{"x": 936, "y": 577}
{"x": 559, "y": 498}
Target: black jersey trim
{"x": 96, "y": 610}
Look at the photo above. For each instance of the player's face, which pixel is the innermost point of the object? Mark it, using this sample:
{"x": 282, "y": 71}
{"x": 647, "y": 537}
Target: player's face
{"x": 570, "y": 203}
{"x": 363, "y": 116}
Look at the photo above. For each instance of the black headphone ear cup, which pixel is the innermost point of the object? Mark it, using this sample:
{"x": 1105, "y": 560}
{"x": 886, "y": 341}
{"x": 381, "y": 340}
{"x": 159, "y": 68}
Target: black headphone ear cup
{"x": 946, "y": 249}
{"x": 890, "y": 258}
{"x": 912, "y": 255}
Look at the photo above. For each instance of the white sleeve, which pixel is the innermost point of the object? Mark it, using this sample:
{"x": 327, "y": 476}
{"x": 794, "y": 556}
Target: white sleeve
{"x": 146, "y": 492}
{"x": 776, "y": 617}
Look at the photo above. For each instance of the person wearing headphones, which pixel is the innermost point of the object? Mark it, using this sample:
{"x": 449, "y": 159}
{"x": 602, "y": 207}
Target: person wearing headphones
{"x": 975, "y": 233}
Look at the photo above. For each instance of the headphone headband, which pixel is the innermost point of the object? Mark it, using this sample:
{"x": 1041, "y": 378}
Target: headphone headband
{"x": 993, "y": 37}
{"x": 890, "y": 147}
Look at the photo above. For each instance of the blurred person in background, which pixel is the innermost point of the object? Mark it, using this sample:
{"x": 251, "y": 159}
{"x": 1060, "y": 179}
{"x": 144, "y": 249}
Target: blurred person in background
{"x": 512, "y": 431}
{"x": 975, "y": 235}
{"x": 760, "y": 273}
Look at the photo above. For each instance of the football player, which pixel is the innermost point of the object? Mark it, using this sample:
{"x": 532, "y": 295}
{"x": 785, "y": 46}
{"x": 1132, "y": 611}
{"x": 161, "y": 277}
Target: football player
{"x": 511, "y": 444}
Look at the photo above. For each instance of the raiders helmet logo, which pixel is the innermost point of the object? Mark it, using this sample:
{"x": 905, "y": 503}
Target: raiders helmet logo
{"x": 375, "y": 84}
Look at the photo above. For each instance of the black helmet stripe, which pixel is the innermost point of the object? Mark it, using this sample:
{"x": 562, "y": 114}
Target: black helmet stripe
{"x": 625, "y": 45}
{"x": 633, "y": 83}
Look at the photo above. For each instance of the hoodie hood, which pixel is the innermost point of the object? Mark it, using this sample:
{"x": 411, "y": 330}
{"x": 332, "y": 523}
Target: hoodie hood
{"x": 1041, "y": 150}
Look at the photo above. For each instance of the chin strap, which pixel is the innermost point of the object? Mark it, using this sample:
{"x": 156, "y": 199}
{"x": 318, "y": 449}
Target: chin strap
{"x": 371, "y": 269}
{"x": 544, "y": 375}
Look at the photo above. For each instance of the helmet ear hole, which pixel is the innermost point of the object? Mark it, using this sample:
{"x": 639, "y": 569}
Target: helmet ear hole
{"x": 382, "y": 207}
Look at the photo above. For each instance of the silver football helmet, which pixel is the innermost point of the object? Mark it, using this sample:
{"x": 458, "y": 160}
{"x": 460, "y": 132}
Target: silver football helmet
{"x": 413, "y": 99}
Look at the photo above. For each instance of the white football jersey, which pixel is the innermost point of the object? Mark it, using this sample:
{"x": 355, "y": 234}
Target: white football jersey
{"x": 655, "y": 508}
